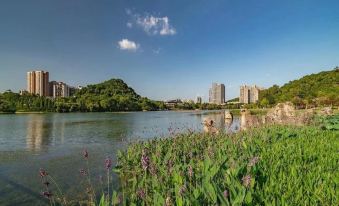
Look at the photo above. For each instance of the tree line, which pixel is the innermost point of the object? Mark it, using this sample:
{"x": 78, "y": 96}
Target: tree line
{"x": 109, "y": 96}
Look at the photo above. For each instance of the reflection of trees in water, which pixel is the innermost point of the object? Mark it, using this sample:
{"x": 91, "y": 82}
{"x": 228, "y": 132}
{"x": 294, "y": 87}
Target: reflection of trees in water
{"x": 38, "y": 132}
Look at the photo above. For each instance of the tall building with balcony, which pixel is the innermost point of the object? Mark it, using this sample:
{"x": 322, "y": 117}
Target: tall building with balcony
{"x": 37, "y": 83}
{"x": 59, "y": 89}
{"x": 249, "y": 94}
{"x": 217, "y": 94}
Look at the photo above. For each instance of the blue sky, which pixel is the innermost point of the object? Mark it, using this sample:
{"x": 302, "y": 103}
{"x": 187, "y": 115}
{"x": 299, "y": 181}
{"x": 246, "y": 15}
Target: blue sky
{"x": 168, "y": 49}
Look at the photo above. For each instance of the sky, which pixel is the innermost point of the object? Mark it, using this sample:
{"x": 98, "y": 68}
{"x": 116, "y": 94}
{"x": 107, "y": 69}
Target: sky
{"x": 168, "y": 49}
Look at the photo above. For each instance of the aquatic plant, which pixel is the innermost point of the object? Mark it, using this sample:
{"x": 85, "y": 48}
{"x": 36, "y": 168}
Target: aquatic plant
{"x": 271, "y": 165}
{"x": 278, "y": 165}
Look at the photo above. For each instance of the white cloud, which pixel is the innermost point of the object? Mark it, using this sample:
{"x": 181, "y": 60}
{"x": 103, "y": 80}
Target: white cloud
{"x": 152, "y": 25}
{"x": 129, "y": 24}
{"x": 126, "y": 44}
{"x": 156, "y": 51}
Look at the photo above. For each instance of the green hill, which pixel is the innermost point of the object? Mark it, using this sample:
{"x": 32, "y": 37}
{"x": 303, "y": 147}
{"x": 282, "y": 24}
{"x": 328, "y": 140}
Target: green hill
{"x": 112, "y": 95}
{"x": 108, "y": 96}
{"x": 315, "y": 89}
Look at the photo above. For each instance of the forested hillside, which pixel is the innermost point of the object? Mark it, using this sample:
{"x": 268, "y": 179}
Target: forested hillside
{"x": 315, "y": 89}
{"x": 111, "y": 95}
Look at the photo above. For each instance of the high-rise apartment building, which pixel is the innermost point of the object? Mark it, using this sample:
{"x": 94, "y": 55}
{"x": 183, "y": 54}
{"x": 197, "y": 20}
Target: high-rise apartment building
{"x": 199, "y": 100}
{"x": 59, "y": 89}
{"x": 37, "y": 83}
{"x": 249, "y": 94}
{"x": 217, "y": 94}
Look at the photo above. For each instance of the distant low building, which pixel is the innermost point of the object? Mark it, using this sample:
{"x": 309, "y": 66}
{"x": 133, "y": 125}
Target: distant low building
{"x": 59, "y": 89}
{"x": 173, "y": 103}
{"x": 23, "y": 92}
{"x": 249, "y": 94}
{"x": 72, "y": 91}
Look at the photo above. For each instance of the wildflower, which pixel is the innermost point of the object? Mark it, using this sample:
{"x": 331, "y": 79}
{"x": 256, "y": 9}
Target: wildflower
{"x": 246, "y": 180}
{"x": 226, "y": 194}
{"x": 253, "y": 161}
{"x": 43, "y": 172}
{"x": 182, "y": 190}
{"x": 190, "y": 171}
{"x": 85, "y": 154}
{"x": 83, "y": 172}
{"x": 144, "y": 161}
{"x": 141, "y": 194}
{"x": 108, "y": 163}
{"x": 47, "y": 194}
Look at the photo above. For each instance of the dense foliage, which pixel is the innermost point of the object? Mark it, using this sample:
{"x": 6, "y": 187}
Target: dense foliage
{"x": 315, "y": 89}
{"x": 275, "y": 165}
{"x": 112, "y": 95}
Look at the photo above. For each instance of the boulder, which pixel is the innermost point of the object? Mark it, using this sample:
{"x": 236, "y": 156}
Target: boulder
{"x": 228, "y": 115}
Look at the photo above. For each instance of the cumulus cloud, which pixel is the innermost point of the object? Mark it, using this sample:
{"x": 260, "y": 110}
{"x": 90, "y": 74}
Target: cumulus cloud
{"x": 152, "y": 25}
{"x": 126, "y": 44}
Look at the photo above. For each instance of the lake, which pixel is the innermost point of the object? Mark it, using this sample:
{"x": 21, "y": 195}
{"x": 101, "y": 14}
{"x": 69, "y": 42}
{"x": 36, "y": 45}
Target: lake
{"x": 56, "y": 142}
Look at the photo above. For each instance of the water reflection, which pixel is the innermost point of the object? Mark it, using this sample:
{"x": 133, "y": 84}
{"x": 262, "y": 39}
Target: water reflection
{"x": 38, "y": 132}
{"x": 59, "y": 140}
{"x": 222, "y": 123}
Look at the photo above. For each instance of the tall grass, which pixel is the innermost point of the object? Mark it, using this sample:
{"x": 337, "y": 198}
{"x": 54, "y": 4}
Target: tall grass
{"x": 276, "y": 165}
{"x": 272, "y": 165}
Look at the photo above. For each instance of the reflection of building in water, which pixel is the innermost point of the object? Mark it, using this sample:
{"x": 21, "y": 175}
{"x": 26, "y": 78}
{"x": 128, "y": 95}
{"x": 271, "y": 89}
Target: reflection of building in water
{"x": 38, "y": 132}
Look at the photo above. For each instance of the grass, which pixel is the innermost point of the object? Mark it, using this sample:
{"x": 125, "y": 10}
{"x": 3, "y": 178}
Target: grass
{"x": 275, "y": 165}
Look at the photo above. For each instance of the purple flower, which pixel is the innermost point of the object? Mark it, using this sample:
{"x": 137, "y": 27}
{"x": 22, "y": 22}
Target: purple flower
{"x": 83, "y": 172}
{"x": 182, "y": 190}
{"x": 246, "y": 180}
{"x": 226, "y": 194}
{"x": 43, "y": 172}
{"x": 145, "y": 161}
{"x": 47, "y": 194}
{"x": 253, "y": 161}
{"x": 85, "y": 154}
{"x": 108, "y": 163}
{"x": 141, "y": 194}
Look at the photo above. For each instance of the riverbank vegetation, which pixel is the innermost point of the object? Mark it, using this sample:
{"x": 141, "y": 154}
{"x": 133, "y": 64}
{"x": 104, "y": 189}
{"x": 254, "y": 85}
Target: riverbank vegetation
{"x": 278, "y": 165}
{"x": 109, "y": 96}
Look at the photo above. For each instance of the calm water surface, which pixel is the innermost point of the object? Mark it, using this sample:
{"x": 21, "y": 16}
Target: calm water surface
{"x": 56, "y": 141}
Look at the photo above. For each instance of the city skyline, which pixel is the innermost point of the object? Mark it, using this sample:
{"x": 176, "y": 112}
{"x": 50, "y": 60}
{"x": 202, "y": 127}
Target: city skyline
{"x": 168, "y": 49}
